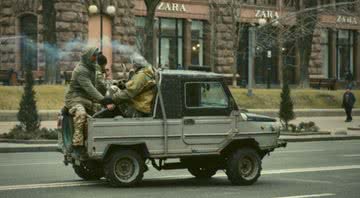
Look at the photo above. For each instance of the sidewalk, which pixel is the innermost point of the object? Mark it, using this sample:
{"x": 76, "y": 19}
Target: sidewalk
{"x": 335, "y": 125}
{"x": 49, "y": 115}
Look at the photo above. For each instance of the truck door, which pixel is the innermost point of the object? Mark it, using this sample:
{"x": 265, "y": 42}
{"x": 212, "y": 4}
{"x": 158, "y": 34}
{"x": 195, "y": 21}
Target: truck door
{"x": 207, "y": 119}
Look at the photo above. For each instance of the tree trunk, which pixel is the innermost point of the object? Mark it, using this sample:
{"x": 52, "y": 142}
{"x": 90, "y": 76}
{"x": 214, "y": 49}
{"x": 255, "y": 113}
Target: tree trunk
{"x": 151, "y": 6}
{"x": 306, "y": 20}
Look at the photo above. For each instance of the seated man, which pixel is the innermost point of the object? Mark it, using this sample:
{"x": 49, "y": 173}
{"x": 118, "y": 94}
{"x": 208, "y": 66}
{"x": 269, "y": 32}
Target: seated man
{"x": 82, "y": 94}
{"x": 136, "y": 96}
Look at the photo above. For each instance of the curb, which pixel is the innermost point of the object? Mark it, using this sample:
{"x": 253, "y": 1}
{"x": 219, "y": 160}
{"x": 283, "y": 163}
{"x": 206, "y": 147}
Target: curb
{"x": 28, "y": 141}
{"x": 314, "y": 139}
{"x": 52, "y": 148}
{"x": 44, "y": 115}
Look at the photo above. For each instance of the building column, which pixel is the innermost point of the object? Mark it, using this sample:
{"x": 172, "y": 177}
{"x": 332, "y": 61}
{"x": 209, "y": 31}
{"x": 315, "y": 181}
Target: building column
{"x": 187, "y": 43}
{"x": 332, "y": 64}
{"x": 207, "y": 43}
{"x": 155, "y": 40}
{"x": 357, "y": 57}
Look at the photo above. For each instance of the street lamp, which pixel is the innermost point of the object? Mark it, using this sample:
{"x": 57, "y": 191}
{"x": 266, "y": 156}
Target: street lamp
{"x": 110, "y": 10}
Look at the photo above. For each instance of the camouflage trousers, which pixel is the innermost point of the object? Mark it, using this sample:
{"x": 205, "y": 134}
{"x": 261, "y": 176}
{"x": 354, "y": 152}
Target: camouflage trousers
{"x": 80, "y": 124}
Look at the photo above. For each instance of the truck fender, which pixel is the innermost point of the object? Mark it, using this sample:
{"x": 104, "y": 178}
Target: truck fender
{"x": 140, "y": 148}
{"x": 242, "y": 143}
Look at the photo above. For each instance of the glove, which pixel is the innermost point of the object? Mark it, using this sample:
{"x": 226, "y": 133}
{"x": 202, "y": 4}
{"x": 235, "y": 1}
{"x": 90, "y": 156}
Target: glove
{"x": 106, "y": 100}
{"x": 121, "y": 84}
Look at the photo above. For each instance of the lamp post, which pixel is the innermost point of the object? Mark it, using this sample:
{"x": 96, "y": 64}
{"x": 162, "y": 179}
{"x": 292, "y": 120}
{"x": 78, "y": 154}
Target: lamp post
{"x": 110, "y": 10}
{"x": 268, "y": 69}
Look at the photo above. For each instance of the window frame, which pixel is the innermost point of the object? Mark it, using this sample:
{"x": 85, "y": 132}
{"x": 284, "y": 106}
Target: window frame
{"x": 176, "y": 36}
{"x": 207, "y": 107}
{"x": 200, "y": 39}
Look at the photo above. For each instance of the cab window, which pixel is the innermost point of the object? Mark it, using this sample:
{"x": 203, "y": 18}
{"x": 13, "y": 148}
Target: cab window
{"x": 205, "y": 95}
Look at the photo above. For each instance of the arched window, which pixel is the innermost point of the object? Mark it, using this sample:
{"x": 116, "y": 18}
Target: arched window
{"x": 28, "y": 41}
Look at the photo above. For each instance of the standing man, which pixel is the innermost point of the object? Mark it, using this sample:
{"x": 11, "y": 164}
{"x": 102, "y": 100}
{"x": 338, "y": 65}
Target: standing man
{"x": 348, "y": 103}
{"x": 82, "y": 94}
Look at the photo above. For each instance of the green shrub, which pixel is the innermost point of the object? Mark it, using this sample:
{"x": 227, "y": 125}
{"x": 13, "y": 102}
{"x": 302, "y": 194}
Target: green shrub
{"x": 28, "y": 114}
{"x": 286, "y": 112}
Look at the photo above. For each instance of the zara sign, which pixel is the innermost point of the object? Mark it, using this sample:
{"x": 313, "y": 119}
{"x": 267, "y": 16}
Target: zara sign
{"x": 269, "y": 14}
{"x": 173, "y": 7}
{"x": 346, "y": 19}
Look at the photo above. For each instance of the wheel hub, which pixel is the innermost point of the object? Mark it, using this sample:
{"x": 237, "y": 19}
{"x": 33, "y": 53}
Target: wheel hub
{"x": 124, "y": 169}
{"x": 246, "y": 167}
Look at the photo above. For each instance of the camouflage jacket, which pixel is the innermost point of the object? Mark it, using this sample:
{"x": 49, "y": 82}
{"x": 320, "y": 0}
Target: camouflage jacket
{"x": 139, "y": 92}
{"x": 82, "y": 87}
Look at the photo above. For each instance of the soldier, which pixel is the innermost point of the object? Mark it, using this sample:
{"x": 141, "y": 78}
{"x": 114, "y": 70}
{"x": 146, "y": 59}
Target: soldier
{"x": 82, "y": 94}
{"x": 136, "y": 97}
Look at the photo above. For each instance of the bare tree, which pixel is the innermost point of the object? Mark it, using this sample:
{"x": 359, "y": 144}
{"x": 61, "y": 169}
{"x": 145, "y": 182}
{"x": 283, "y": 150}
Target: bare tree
{"x": 151, "y": 6}
{"x": 299, "y": 27}
{"x": 305, "y": 26}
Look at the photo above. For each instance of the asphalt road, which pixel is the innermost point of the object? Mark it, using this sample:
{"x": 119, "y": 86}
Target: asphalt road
{"x": 312, "y": 169}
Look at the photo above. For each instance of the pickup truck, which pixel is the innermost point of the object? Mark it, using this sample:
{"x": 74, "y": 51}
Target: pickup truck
{"x": 195, "y": 125}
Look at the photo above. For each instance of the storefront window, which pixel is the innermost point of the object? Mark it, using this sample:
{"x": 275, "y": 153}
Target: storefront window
{"x": 266, "y": 61}
{"x": 197, "y": 42}
{"x": 28, "y": 28}
{"x": 170, "y": 43}
{"x": 344, "y": 52}
{"x": 325, "y": 52}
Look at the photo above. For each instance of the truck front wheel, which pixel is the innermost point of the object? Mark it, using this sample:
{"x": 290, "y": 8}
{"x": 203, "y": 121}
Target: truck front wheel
{"x": 124, "y": 168}
{"x": 202, "y": 173}
{"x": 243, "y": 166}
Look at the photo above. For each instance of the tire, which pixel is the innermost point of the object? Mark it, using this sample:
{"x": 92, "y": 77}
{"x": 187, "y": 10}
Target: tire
{"x": 243, "y": 166}
{"x": 89, "y": 171}
{"x": 202, "y": 173}
{"x": 124, "y": 168}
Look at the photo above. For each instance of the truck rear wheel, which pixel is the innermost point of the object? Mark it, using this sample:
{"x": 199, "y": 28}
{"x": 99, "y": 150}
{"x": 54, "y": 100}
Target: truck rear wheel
{"x": 202, "y": 173}
{"x": 243, "y": 166}
{"x": 89, "y": 171}
{"x": 124, "y": 168}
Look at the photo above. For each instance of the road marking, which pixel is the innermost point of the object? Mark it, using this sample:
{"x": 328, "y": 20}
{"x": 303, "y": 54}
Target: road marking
{"x": 280, "y": 171}
{"x": 307, "y": 181}
{"x": 219, "y": 175}
{"x": 312, "y": 169}
{"x": 49, "y": 185}
{"x": 30, "y": 164}
{"x": 301, "y": 151}
{"x": 313, "y": 195}
{"x": 352, "y": 155}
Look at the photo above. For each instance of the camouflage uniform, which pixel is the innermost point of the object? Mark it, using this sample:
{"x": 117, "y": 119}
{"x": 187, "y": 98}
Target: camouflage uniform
{"x": 82, "y": 94}
{"x": 137, "y": 97}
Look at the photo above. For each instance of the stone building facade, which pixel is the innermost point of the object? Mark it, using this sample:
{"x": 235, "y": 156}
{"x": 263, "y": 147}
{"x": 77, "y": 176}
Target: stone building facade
{"x": 72, "y": 30}
{"x": 188, "y": 33}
